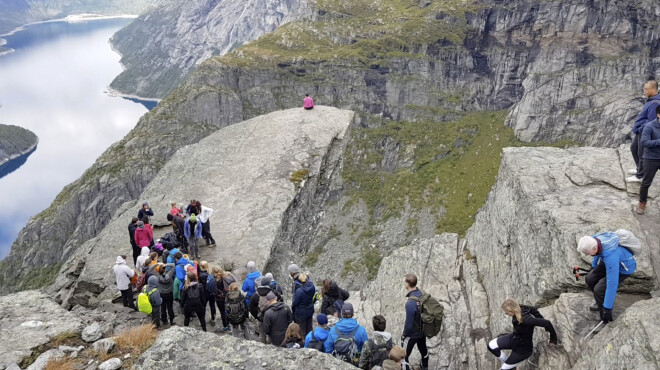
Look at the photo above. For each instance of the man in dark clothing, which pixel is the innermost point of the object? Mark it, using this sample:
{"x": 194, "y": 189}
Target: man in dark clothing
{"x": 303, "y": 305}
{"x": 651, "y": 144}
{"x": 645, "y": 116}
{"x": 294, "y": 271}
{"x": 412, "y": 330}
{"x": 276, "y": 320}
{"x": 131, "y": 234}
{"x": 178, "y": 223}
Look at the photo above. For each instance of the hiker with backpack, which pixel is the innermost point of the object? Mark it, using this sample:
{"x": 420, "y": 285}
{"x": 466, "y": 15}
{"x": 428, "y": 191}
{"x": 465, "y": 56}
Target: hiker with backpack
{"x": 153, "y": 299}
{"x": 203, "y": 217}
{"x": 131, "y": 235}
{"x": 145, "y": 212}
{"x": 651, "y": 142}
{"x": 274, "y": 285}
{"x": 223, "y": 279}
{"x": 611, "y": 265}
{"x": 276, "y": 320}
{"x": 143, "y": 235}
{"x": 331, "y": 292}
{"x": 293, "y": 339}
{"x": 303, "y": 304}
{"x": 165, "y": 274}
{"x": 345, "y": 340}
{"x": 520, "y": 342}
{"x": 192, "y": 231}
{"x": 377, "y": 349}
{"x": 237, "y": 311}
{"x": 413, "y": 331}
{"x": 316, "y": 337}
{"x": 123, "y": 275}
{"x": 252, "y": 280}
{"x": 192, "y": 300}
{"x": 259, "y": 304}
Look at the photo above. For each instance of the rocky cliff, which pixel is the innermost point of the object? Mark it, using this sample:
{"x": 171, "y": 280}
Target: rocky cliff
{"x": 162, "y": 46}
{"x": 15, "y": 142}
{"x": 409, "y": 72}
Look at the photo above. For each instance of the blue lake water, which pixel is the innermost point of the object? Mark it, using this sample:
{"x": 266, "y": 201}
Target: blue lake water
{"x": 54, "y": 84}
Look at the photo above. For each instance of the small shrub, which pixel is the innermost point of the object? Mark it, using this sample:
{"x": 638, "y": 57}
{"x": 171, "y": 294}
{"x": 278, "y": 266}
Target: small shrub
{"x": 66, "y": 338}
{"x": 138, "y": 338}
{"x": 299, "y": 176}
{"x": 64, "y": 363}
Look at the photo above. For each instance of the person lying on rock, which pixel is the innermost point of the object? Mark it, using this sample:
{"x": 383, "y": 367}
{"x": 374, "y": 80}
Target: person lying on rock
{"x": 520, "y": 342}
{"x": 651, "y": 144}
{"x": 611, "y": 265}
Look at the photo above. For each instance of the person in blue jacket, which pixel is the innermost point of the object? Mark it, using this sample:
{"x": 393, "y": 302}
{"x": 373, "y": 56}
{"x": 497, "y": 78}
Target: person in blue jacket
{"x": 251, "y": 280}
{"x": 611, "y": 265}
{"x": 321, "y": 332}
{"x": 303, "y": 304}
{"x": 645, "y": 116}
{"x": 180, "y": 268}
{"x": 651, "y": 143}
{"x": 345, "y": 326}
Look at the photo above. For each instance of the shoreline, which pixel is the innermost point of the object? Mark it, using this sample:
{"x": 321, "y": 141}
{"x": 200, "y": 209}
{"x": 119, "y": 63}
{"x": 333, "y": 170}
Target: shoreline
{"x": 118, "y": 94}
{"x": 24, "y": 152}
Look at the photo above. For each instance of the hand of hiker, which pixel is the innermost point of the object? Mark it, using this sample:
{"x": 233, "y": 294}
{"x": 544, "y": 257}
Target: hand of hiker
{"x": 606, "y": 315}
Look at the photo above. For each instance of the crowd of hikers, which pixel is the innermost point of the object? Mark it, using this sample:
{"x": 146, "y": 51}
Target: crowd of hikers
{"x": 170, "y": 277}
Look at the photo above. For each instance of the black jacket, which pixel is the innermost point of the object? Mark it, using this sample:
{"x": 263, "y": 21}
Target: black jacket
{"x": 276, "y": 319}
{"x": 294, "y": 343}
{"x": 262, "y": 291}
{"x": 142, "y": 213}
{"x": 523, "y": 332}
{"x": 131, "y": 233}
{"x": 184, "y": 295}
{"x": 334, "y": 293}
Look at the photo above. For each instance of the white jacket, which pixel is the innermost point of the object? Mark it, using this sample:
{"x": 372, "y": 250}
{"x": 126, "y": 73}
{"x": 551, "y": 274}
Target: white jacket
{"x": 144, "y": 255}
{"x": 123, "y": 274}
{"x": 205, "y": 215}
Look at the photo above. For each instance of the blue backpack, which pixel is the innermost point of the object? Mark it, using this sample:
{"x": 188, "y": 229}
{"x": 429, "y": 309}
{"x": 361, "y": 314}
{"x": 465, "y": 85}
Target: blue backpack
{"x": 211, "y": 285}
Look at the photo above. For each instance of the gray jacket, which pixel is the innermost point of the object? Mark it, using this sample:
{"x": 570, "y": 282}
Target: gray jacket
{"x": 166, "y": 280}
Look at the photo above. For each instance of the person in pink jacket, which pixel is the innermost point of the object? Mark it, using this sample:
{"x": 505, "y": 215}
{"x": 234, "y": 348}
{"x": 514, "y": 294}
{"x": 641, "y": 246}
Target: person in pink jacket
{"x": 143, "y": 236}
{"x": 308, "y": 103}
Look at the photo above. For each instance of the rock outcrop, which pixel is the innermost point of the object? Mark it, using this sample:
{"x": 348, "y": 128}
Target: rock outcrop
{"x": 15, "y": 142}
{"x": 178, "y": 348}
{"x": 29, "y": 319}
{"x": 162, "y": 46}
{"x": 253, "y": 174}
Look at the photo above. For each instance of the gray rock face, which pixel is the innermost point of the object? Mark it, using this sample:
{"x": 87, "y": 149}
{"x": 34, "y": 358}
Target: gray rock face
{"x": 244, "y": 172}
{"x": 178, "y": 347}
{"x": 104, "y": 346}
{"x": 15, "y": 141}
{"x": 111, "y": 364}
{"x": 164, "y": 45}
{"x": 35, "y": 319}
{"x": 92, "y": 333}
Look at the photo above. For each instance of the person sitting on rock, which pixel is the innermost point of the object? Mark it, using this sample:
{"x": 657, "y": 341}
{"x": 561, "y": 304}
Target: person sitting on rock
{"x": 123, "y": 275}
{"x": 651, "y": 158}
{"x": 347, "y": 326}
{"x": 520, "y": 342}
{"x": 611, "y": 265}
{"x": 293, "y": 339}
{"x": 317, "y": 337}
{"x": 377, "y": 349}
{"x": 276, "y": 320}
{"x": 252, "y": 280}
{"x": 303, "y": 304}
{"x": 175, "y": 211}
{"x": 648, "y": 114}
{"x": 203, "y": 217}
{"x": 192, "y": 230}
{"x": 308, "y": 102}
{"x": 143, "y": 235}
{"x": 192, "y": 300}
{"x": 331, "y": 292}
{"x": 145, "y": 211}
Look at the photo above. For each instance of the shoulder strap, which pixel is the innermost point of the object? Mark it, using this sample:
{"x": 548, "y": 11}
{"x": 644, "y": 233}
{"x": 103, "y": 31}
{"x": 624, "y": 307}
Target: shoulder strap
{"x": 151, "y": 292}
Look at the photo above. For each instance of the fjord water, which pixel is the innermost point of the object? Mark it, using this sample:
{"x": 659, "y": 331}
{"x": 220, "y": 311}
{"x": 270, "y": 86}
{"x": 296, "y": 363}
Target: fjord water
{"x": 54, "y": 84}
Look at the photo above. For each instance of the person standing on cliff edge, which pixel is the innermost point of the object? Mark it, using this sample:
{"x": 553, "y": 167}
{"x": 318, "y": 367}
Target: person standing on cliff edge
{"x": 651, "y": 143}
{"x": 645, "y": 116}
{"x": 308, "y": 103}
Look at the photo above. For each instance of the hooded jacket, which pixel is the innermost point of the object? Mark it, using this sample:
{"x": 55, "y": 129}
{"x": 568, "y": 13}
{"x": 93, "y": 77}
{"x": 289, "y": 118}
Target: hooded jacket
{"x": 166, "y": 280}
{"x": 143, "y": 237}
{"x": 647, "y": 114}
{"x": 180, "y": 270}
{"x": 523, "y": 333}
{"x": 320, "y": 334}
{"x": 303, "y": 301}
{"x": 170, "y": 258}
{"x": 651, "y": 140}
{"x": 123, "y": 273}
{"x": 154, "y": 298}
{"x": 379, "y": 338}
{"x": 186, "y": 229}
{"x": 346, "y": 326}
{"x": 205, "y": 214}
{"x": 144, "y": 255}
{"x": 249, "y": 286}
{"x": 276, "y": 320}
{"x": 617, "y": 260}
{"x": 333, "y": 294}
{"x": 411, "y": 328}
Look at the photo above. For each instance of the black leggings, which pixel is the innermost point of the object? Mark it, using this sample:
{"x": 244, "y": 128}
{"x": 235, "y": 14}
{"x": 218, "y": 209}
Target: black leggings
{"x": 206, "y": 232}
{"x": 409, "y": 343}
{"x": 637, "y": 151}
{"x": 651, "y": 166}
{"x": 167, "y": 307}
{"x": 505, "y": 342}
{"x": 199, "y": 311}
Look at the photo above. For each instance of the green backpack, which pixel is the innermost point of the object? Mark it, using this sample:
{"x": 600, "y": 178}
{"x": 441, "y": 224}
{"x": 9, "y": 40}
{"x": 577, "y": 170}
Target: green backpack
{"x": 431, "y": 313}
{"x": 143, "y": 303}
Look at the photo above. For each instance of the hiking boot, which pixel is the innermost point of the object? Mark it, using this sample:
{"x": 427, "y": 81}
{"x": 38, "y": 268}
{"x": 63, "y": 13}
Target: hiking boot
{"x": 225, "y": 329}
{"x": 212, "y": 322}
{"x": 632, "y": 171}
{"x": 641, "y": 208}
{"x": 633, "y": 179}
{"x": 594, "y": 307}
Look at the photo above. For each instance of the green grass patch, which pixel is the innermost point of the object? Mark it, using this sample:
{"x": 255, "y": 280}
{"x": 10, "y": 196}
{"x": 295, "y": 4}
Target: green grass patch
{"x": 299, "y": 176}
{"x": 312, "y": 257}
{"x": 41, "y": 278}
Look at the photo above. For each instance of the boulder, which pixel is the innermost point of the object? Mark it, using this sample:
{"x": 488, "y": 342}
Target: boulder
{"x": 252, "y": 174}
{"x": 179, "y": 348}
{"x": 104, "y": 346}
{"x": 42, "y": 360}
{"x": 111, "y": 364}
{"x": 545, "y": 199}
{"x": 35, "y": 319}
{"x": 92, "y": 333}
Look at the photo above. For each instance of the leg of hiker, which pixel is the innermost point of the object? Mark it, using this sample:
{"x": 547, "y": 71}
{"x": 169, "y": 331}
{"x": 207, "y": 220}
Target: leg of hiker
{"x": 593, "y": 278}
{"x": 211, "y": 303}
{"x": 200, "y": 311}
{"x": 206, "y": 232}
{"x": 496, "y": 346}
{"x": 651, "y": 166}
{"x": 168, "y": 308}
{"x": 637, "y": 152}
{"x": 187, "y": 314}
{"x": 193, "y": 244}
{"x": 409, "y": 345}
{"x": 513, "y": 360}
{"x": 155, "y": 316}
{"x": 220, "y": 301}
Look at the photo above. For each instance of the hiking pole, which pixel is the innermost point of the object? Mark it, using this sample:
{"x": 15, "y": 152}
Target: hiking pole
{"x": 594, "y": 329}
{"x": 576, "y": 272}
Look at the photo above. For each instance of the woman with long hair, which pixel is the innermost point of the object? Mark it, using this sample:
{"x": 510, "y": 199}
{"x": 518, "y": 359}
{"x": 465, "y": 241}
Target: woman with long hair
{"x": 524, "y": 319}
{"x": 193, "y": 300}
{"x": 293, "y": 338}
{"x": 332, "y": 293}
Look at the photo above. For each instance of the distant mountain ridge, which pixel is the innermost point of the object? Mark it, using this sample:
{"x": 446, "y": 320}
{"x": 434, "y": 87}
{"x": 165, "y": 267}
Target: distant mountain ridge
{"x": 15, "y": 141}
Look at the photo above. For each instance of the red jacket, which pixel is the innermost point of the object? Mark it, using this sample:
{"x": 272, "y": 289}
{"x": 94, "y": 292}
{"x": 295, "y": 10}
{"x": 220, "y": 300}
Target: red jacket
{"x": 143, "y": 237}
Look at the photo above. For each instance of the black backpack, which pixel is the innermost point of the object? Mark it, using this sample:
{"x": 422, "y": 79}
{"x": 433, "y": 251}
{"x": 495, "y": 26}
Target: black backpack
{"x": 194, "y": 296}
{"x": 236, "y": 310}
{"x": 345, "y": 346}
{"x": 316, "y": 344}
{"x": 380, "y": 352}
{"x": 169, "y": 239}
